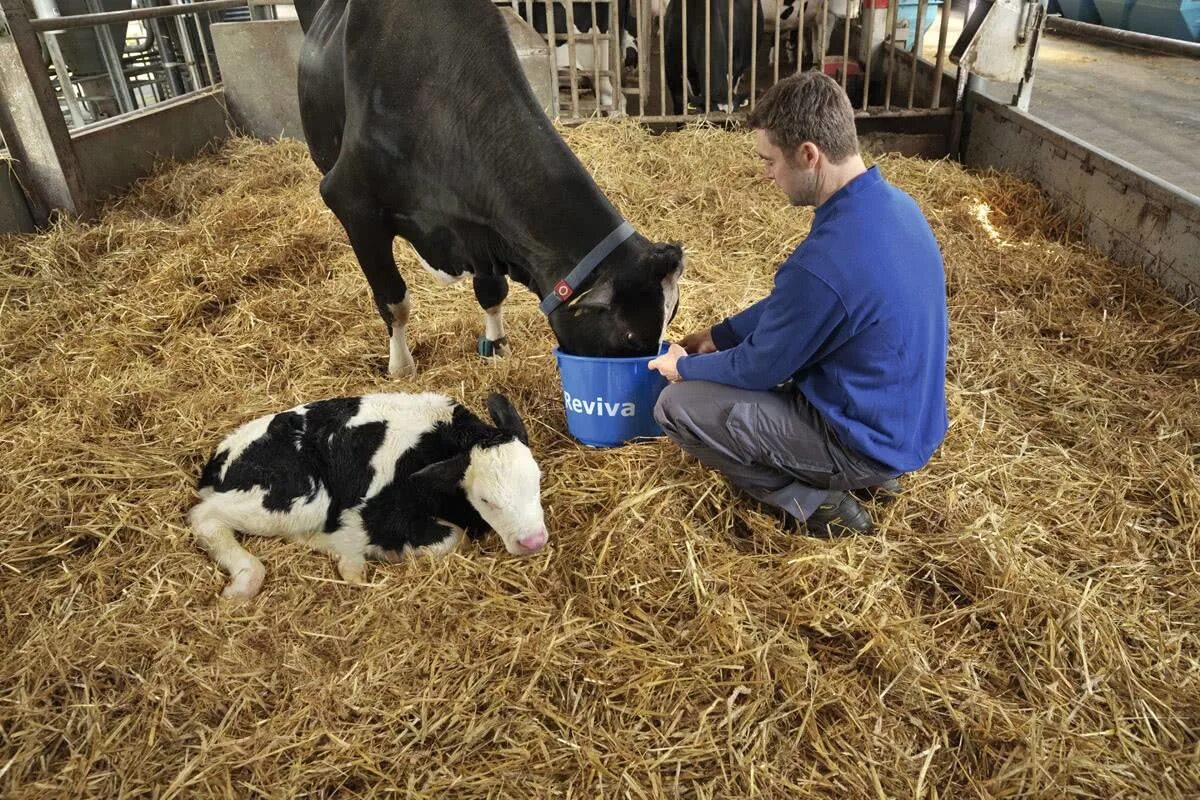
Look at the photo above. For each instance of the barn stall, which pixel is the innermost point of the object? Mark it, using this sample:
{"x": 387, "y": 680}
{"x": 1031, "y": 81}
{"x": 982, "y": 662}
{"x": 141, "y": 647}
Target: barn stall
{"x": 1023, "y": 624}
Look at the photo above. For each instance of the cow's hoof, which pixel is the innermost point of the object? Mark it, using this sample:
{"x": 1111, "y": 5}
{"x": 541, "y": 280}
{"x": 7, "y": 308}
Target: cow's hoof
{"x": 493, "y": 349}
{"x": 351, "y": 570}
{"x": 402, "y": 369}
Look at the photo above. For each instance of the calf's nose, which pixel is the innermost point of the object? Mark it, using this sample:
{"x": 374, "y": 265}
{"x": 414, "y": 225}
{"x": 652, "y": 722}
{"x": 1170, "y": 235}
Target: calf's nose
{"x": 534, "y": 542}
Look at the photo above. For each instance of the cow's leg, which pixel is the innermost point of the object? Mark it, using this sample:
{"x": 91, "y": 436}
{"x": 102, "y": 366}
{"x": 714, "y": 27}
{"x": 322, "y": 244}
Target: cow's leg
{"x": 371, "y": 237}
{"x": 246, "y": 572}
{"x": 490, "y": 291}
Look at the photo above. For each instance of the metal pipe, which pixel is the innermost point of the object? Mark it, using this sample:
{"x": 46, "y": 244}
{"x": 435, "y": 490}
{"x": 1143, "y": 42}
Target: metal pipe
{"x": 572, "y": 59}
{"x": 777, "y": 51}
{"x": 185, "y": 43}
{"x": 109, "y": 17}
{"x": 1143, "y": 41}
{"x": 894, "y": 11}
{"x": 708, "y": 56}
{"x": 846, "y": 44}
{"x": 683, "y": 39}
{"x": 552, "y": 39}
{"x": 823, "y": 34}
{"x": 800, "y": 38}
{"x": 729, "y": 62}
{"x": 48, "y": 9}
{"x": 204, "y": 48}
{"x": 595, "y": 52}
{"x": 940, "y": 67}
{"x": 870, "y": 35}
{"x": 753, "y": 53}
{"x": 662, "y": 66}
{"x": 916, "y": 52}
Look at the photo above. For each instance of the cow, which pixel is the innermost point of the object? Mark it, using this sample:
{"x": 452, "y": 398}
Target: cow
{"x": 788, "y": 13}
{"x": 590, "y": 54}
{"x": 382, "y": 476}
{"x": 424, "y": 126}
{"x": 708, "y": 31}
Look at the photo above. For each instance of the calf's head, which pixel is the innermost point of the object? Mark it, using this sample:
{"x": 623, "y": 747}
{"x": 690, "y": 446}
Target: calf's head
{"x": 500, "y": 479}
{"x": 624, "y": 314}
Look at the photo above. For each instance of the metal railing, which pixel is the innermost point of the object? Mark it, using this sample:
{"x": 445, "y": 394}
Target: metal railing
{"x": 877, "y": 55}
{"x": 109, "y": 62}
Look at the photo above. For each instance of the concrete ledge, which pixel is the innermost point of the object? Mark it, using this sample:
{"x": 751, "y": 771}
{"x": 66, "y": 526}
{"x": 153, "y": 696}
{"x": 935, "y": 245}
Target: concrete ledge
{"x": 258, "y": 69}
{"x": 113, "y": 155}
{"x": 1133, "y": 217}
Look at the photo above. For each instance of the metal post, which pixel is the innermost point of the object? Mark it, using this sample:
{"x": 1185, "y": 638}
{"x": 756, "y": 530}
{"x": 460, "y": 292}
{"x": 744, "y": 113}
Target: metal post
{"x": 185, "y": 44}
{"x": 870, "y": 47}
{"x": 112, "y": 61}
{"x": 916, "y": 52}
{"x": 753, "y": 53}
{"x": 894, "y": 11}
{"x": 47, "y": 8}
{"x": 846, "y": 44}
{"x": 32, "y": 123}
{"x": 936, "y": 101}
{"x": 729, "y": 62}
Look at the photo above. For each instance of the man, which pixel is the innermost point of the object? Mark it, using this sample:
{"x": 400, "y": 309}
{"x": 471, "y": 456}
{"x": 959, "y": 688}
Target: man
{"x": 855, "y": 326}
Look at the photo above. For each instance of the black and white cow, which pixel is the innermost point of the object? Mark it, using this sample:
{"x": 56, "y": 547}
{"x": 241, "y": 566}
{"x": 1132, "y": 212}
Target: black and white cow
{"x": 708, "y": 33}
{"x": 425, "y": 127}
{"x": 378, "y": 476}
{"x": 590, "y": 55}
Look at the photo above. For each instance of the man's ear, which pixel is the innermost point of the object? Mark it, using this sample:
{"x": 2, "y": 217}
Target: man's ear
{"x": 443, "y": 475}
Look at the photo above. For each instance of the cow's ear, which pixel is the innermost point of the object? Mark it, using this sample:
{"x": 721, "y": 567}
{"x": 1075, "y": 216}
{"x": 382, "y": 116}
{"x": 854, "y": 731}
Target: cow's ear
{"x": 664, "y": 260}
{"x": 445, "y": 475}
{"x": 600, "y": 295}
{"x": 505, "y": 415}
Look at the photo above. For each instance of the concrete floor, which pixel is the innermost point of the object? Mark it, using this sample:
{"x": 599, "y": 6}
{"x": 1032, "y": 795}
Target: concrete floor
{"x": 1141, "y": 107}
{"x": 1138, "y": 106}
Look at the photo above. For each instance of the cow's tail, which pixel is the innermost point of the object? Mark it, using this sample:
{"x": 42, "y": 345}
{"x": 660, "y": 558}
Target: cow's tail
{"x": 306, "y": 10}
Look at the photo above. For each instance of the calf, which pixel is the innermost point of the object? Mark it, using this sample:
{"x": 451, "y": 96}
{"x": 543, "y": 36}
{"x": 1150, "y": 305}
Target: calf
{"x": 379, "y": 476}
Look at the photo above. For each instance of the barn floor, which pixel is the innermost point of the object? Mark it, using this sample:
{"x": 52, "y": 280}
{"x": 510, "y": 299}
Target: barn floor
{"x": 1025, "y": 624}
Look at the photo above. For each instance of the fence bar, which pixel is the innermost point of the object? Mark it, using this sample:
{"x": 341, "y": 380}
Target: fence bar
{"x": 683, "y": 7}
{"x": 869, "y": 25}
{"x": 204, "y": 48}
{"x": 916, "y": 52}
{"x": 778, "y": 24}
{"x": 823, "y": 32}
{"x": 753, "y": 53}
{"x": 846, "y": 44}
{"x": 552, "y": 40}
{"x": 799, "y": 39}
{"x": 662, "y": 65}
{"x": 707, "y": 57}
{"x": 572, "y": 58}
{"x": 596, "y": 84}
{"x": 894, "y": 11}
{"x": 729, "y": 63}
{"x": 185, "y": 43}
{"x": 54, "y": 24}
{"x": 940, "y": 67}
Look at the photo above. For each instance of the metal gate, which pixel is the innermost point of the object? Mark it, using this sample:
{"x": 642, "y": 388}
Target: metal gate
{"x": 889, "y": 55}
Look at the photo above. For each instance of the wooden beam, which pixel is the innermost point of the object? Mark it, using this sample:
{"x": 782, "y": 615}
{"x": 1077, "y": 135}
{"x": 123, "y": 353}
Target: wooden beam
{"x": 33, "y": 124}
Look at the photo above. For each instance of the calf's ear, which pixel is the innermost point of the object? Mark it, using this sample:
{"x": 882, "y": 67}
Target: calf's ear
{"x": 506, "y": 417}
{"x": 446, "y": 474}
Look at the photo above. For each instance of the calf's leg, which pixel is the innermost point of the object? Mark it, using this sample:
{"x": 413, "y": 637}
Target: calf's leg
{"x": 215, "y": 535}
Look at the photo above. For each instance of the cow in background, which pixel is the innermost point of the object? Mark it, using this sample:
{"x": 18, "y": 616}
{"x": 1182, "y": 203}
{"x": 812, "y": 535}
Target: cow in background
{"x": 709, "y": 28}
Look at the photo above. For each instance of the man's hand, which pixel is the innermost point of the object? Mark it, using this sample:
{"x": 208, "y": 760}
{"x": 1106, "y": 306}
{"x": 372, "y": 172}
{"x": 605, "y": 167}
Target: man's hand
{"x": 667, "y": 364}
{"x": 699, "y": 343}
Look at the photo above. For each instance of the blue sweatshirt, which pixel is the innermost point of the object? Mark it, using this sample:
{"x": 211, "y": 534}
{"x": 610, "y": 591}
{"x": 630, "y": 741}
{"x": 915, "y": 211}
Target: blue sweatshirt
{"x": 858, "y": 318}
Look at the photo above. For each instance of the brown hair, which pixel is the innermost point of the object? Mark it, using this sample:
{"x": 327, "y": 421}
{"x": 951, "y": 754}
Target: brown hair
{"x": 808, "y": 107}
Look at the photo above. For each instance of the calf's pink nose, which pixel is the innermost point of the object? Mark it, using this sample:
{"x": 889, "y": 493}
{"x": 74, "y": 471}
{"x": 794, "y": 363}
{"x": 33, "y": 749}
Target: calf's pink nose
{"x": 534, "y": 542}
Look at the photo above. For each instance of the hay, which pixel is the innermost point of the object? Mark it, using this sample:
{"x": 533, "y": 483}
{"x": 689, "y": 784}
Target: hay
{"x": 1024, "y": 625}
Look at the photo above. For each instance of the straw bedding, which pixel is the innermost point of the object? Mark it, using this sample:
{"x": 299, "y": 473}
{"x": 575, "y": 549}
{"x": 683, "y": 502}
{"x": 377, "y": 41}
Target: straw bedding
{"x": 1024, "y": 625}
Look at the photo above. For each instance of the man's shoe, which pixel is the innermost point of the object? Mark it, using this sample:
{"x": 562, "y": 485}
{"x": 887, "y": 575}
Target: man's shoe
{"x": 840, "y": 515}
{"x": 882, "y": 493}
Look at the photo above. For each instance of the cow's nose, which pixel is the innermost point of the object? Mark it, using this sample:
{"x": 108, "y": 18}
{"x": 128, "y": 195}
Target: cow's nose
{"x": 535, "y": 542}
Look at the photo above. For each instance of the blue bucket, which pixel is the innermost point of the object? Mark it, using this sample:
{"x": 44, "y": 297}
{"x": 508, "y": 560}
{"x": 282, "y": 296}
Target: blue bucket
{"x": 610, "y": 401}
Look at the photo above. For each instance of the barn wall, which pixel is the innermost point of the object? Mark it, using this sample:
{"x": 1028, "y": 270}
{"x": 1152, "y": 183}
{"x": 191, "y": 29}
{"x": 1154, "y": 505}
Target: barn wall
{"x": 114, "y": 155}
{"x": 258, "y": 68}
{"x": 14, "y": 214}
{"x": 1134, "y": 218}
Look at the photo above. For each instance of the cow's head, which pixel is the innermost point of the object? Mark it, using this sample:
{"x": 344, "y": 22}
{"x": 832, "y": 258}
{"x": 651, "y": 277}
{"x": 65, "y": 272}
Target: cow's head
{"x": 501, "y": 480}
{"x": 623, "y": 313}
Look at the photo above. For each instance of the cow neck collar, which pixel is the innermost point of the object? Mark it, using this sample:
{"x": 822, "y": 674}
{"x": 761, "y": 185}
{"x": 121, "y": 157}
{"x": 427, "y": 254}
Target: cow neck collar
{"x": 566, "y": 288}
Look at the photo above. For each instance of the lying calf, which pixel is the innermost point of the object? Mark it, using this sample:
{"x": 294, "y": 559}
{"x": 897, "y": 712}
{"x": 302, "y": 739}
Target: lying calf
{"x": 380, "y": 475}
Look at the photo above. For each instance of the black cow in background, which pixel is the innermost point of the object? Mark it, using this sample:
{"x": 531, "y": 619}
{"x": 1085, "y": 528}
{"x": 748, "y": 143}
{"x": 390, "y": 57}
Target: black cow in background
{"x": 713, "y": 34}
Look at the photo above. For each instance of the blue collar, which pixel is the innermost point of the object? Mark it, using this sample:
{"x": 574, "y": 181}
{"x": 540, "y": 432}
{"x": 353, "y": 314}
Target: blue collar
{"x": 564, "y": 289}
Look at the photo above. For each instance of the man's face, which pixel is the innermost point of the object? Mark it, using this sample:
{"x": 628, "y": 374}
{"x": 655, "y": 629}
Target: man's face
{"x": 797, "y": 175}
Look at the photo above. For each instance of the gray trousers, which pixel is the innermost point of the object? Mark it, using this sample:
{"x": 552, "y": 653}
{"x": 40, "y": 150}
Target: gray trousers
{"x": 773, "y": 445}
